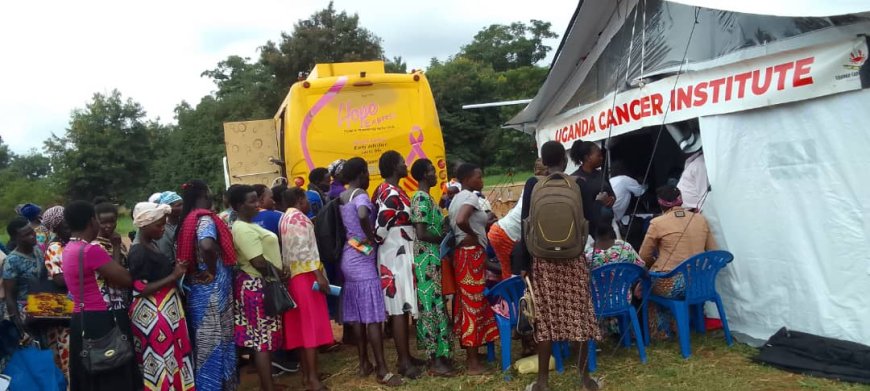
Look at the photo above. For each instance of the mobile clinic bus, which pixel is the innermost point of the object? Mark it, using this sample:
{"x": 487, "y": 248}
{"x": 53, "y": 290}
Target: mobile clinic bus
{"x": 339, "y": 111}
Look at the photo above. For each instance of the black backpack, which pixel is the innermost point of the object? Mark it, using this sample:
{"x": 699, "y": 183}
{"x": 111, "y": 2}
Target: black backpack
{"x": 330, "y": 233}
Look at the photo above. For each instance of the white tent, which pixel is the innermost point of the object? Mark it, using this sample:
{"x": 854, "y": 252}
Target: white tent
{"x": 781, "y": 106}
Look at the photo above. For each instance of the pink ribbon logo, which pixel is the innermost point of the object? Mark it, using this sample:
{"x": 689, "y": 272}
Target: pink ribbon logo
{"x": 416, "y": 145}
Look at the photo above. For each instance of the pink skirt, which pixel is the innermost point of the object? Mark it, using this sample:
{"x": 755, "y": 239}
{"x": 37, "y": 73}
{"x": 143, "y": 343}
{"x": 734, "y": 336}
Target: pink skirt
{"x": 306, "y": 326}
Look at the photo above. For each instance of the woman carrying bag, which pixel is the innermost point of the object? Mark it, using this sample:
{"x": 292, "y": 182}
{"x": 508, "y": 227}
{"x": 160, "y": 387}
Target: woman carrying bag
{"x": 99, "y": 327}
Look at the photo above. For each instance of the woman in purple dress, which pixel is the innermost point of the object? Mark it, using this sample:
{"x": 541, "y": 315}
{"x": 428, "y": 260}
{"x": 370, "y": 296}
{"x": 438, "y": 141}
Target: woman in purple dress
{"x": 362, "y": 298}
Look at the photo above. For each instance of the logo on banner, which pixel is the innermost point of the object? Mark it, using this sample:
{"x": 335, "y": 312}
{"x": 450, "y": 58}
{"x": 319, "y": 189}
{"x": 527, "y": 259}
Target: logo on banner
{"x": 856, "y": 60}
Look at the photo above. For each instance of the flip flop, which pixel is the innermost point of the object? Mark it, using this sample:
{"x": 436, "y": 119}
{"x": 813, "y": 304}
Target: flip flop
{"x": 412, "y": 373}
{"x": 391, "y": 380}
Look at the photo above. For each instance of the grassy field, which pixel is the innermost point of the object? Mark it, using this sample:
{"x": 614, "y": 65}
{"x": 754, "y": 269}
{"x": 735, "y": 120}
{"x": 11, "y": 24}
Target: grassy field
{"x": 713, "y": 366}
{"x": 507, "y": 178}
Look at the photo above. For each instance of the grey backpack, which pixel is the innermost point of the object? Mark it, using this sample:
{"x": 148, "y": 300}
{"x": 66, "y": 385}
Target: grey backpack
{"x": 556, "y": 227}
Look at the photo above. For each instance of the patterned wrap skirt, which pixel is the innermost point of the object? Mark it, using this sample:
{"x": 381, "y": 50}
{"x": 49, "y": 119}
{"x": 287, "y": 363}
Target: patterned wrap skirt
{"x": 473, "y": 319}
{"x": 396, "y": 268}
{"x": 563, "y": 301}
{"x": 161, "y": 339}
{"x": 253, "y": 328}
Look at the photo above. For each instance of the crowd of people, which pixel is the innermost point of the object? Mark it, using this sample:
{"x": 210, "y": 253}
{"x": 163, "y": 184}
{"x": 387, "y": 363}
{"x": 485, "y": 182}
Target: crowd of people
{"x": 189, "y": 289}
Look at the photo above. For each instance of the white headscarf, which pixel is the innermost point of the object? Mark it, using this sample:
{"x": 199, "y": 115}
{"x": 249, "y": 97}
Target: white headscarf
{"x": 146, "y": 213}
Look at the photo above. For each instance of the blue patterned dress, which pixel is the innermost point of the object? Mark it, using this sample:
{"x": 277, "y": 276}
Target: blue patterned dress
{"x": 210, "y": 312}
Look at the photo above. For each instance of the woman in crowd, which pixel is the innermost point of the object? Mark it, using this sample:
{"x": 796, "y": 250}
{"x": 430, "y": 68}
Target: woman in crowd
{"x": 266, "y": 217}
{"x": 362, "y": 301}
{"x": 433, "y": 326}
{"x": 57, "y": 335}
{"x": 563, "y": 302}
{"x": 21, "y": 268}
{"x": 258, "y": 251}
{"x": 97, "y": 304}
{"x": 338, "y": 184}
{"x": 159, "y": 324}
{"x": 109, "y": 239}
{"x": 166, "y": 244}
{"x": 473, "y": 318}
{"x": 675, "y": 236}
{"x": 318, "y": 187}
{"x": 306, "y": 326}
{"x": 608, "y": 249}
{"x": 598, "y": 196}
{"x": 228, "y": 215}
{"x": 206, "y": 245}
{"x": 395, "y": 236}
{"x": 33, "y": 214}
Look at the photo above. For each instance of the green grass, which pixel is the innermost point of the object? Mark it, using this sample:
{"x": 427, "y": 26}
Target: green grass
{"x": 713, "y": 366}
{"x": 506, "y": 178}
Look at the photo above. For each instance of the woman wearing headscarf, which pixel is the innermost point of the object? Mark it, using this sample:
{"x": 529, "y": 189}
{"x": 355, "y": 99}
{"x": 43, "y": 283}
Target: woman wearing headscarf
{"x": 337, "y": 186}
{"x": 166, "y": 243}
{"x": 206, "y": 245}
{"x": 673, "y": 237}
{"x": 57, "y": 335}
{"x": 32, "y": 213}
{"x": 159, "y": 323}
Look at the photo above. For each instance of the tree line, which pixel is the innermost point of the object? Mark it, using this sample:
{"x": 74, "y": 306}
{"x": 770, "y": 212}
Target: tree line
{"x": 110, "y": 148}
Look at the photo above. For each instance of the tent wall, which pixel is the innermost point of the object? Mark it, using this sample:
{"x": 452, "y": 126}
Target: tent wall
{"x": 791, "y": 199}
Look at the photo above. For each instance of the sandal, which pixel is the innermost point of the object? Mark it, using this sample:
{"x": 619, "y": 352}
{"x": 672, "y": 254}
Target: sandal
{"x": 391, "y": 380}
{"x": 448, "y": 373}
{"x": 531, "y": 387}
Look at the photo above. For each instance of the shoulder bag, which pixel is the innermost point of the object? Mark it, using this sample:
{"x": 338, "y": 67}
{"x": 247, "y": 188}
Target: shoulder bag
{"x": 105, "y": 353}
{"x": 276, "y": 298}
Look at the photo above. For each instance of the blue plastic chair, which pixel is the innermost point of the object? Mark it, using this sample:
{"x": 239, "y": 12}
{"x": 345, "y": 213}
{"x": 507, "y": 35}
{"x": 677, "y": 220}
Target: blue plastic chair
{"x": 511, "y": 290}
{"x": 611, "y": 288}
{"x": 700, "y": 273}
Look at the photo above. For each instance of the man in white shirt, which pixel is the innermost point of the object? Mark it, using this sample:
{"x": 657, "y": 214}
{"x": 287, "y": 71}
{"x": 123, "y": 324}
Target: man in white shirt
{"x": 693, "y": 183}
{"x": 624, "y": 187}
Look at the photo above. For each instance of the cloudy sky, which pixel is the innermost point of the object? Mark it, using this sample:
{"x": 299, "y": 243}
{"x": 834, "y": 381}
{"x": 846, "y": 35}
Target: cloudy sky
{"x": 57, "y": 54}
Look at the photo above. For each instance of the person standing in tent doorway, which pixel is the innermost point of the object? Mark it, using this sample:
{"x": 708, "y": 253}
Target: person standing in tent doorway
{"x": 396, "y": 236}
{"x": 598, "y": 196}
{"x": 693, "y": 183}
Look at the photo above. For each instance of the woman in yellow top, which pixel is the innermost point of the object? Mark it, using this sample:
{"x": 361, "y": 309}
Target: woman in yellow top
{"x": 306, "y": 326}
{"x": 257, "y": 249}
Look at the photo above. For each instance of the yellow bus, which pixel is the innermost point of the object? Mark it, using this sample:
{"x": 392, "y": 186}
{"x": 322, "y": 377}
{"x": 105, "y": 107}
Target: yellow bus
{"x": 339, "y": 111}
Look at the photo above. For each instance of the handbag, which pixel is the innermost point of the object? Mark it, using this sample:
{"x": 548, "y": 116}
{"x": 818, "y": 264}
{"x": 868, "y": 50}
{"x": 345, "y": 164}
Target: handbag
{"x": 105, "y": 353}
{"x": 526, "y": 313}
{"x": 276, "y": 298}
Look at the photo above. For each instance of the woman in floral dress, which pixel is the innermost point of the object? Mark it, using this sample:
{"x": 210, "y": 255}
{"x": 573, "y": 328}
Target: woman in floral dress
{"x": 433, "y": 328}
{"x": 58, "y": 335}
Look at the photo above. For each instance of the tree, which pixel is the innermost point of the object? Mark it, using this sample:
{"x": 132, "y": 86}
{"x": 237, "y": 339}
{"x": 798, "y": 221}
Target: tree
{"x": 31, "y": 166}
{"x": 327, "y": 36}
{"x": 5, "y": 154}
{"x": 511, "y": 46}
{"x": 107, "y": 149}
{"x": 499, "y": 64}
{"x": 248, "y": 90}
{"x": 396, "y": 65}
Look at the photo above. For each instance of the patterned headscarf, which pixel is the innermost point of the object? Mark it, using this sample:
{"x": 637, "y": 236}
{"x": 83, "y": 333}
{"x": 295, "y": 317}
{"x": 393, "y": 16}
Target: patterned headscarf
{"x": 168, "y": 198}
{"x": 52, "y": 217}
{"x": 335, "y": 167}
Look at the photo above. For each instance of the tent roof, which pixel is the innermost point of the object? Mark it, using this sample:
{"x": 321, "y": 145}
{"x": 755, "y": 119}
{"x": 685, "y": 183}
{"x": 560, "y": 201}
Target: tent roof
{"x": 595, "y": 22}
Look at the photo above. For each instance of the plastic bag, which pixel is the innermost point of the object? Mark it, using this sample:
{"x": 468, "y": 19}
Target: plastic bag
{"x": 33, "y": 369}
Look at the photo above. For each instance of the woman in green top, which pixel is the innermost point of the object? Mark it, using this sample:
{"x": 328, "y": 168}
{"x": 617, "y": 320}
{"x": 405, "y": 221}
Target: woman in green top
{"x": 257, "y": 249}
{"x": 433, "y": 328}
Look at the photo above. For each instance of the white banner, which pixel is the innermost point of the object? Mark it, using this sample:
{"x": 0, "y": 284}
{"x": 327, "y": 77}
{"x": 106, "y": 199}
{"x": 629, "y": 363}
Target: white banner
{"x": 787, "y": 76}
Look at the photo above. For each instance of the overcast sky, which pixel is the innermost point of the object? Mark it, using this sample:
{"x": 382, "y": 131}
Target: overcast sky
{"x": 55, "y": 55}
